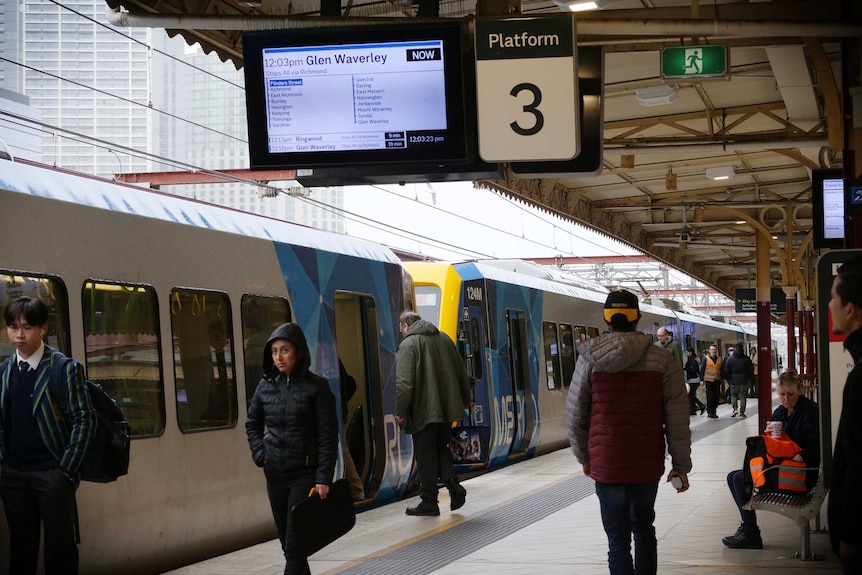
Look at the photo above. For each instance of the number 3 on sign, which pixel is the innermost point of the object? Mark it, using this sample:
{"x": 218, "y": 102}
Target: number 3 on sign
{"x": 534, "y": 117}
{"x": 531, "y": 108}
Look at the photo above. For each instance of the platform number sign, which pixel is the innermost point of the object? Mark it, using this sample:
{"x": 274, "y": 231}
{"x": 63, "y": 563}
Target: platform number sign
{"x": 527, "y": 88}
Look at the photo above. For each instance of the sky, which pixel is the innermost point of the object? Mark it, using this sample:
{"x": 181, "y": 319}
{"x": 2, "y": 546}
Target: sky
{"x": 459, "y": 221}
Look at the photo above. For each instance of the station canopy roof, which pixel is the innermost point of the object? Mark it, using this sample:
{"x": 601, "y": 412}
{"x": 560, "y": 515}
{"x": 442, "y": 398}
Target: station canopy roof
{"x": 775, "y": 119}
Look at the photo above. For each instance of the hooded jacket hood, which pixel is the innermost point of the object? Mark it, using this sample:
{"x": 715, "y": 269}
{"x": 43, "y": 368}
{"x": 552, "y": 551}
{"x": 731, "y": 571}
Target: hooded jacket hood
{"x": 292, "y": 333}
{"x": 422, "y": 327}
{"x": 615, "y": 351}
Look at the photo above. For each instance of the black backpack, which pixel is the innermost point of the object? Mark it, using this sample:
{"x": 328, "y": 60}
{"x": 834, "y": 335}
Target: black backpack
{"x": 107, "y": 458}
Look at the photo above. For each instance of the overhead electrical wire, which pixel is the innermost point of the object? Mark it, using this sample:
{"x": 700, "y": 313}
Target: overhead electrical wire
{"x": 351, "y": 216}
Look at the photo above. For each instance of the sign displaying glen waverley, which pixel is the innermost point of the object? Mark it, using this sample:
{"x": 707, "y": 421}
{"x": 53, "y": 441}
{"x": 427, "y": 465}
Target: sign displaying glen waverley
{"x": 694, "y": 62}
{"x": 527, "y": 88}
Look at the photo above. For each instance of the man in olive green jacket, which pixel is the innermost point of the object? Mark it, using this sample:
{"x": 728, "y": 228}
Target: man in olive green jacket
{"x": 432, "y": 390}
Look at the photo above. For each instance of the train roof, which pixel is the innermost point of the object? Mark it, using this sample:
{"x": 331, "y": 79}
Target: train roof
{"x": 103, "y": 194}
{"x": 472, "y": 270}
{"x": 544, "y": 272}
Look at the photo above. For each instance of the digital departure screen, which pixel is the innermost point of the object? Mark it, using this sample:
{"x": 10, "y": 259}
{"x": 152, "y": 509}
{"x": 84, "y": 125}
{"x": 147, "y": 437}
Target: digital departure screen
{"x": 379, "y": 94}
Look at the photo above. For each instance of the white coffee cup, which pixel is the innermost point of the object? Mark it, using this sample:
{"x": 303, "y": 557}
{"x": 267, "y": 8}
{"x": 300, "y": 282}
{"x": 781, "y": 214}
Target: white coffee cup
{"x": 775, "y": 427}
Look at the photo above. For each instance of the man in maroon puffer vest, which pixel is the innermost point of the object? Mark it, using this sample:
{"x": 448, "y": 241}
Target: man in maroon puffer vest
{"x": 626, "y": 402}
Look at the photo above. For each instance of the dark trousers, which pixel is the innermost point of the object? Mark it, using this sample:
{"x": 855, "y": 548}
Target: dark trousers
{"x": 433, "y": 458}
{"x": 735, "y": 484}
{"x": 628, "y": 510}
{"x": 693, "y": 402}
{"x": 35, "y": 500}
{"x": 286, "y": 489}
{"x": 713, "y": 390}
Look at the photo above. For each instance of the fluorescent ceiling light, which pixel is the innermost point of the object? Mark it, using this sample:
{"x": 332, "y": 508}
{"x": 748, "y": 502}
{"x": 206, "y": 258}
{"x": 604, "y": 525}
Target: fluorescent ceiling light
{"x": 580, "y": 5}
{"x": 720, "y": 173}
{"x": 657, "y": 95}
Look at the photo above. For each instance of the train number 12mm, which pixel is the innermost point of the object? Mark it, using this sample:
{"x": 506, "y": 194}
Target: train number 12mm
{"x": 530, "y": 108}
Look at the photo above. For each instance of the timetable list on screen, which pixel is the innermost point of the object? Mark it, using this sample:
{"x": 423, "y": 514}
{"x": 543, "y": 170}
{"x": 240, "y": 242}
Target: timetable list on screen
{"x": 355, "y": 97}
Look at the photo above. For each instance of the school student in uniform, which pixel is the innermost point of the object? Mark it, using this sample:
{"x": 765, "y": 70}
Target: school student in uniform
{"x": 41, "y": 447}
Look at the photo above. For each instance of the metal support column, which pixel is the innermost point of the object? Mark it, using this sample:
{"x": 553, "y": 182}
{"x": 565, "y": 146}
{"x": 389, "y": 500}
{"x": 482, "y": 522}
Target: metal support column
{"x": 764, "y": 334}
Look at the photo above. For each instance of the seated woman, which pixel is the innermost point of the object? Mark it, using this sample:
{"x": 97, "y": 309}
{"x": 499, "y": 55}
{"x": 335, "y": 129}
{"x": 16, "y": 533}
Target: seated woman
{"x": 801, "y": 422}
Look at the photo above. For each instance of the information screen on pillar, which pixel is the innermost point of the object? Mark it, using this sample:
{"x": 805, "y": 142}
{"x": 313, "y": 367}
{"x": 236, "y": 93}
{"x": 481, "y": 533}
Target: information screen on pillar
{"x": 828, "y": 200}
{"x": 356, "y": 95}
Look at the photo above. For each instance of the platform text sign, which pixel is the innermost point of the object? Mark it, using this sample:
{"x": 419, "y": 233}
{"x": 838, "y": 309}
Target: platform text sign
{"x": 527, "y": 88}
{"x": 746, "y": 300}
{"x": 694, "y": 62}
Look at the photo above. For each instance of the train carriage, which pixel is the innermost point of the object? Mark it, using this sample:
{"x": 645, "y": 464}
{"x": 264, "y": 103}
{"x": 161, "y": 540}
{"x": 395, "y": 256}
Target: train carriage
{"x": 167, "y": 303}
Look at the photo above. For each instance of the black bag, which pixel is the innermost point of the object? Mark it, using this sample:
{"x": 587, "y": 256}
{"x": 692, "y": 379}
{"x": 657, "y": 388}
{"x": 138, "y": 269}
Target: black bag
{"x": 318, "y": 522}
{"x": 107, "y": 457}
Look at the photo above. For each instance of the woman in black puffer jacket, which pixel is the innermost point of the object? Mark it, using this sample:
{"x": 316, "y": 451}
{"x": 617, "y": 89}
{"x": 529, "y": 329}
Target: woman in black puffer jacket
{"x": 292, "y": 432}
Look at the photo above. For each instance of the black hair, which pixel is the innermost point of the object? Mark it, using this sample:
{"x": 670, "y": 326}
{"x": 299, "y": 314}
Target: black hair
{"x": 849, "y": 289}
{"x": 619, "y": 322}
{"x": 34, "y": 311}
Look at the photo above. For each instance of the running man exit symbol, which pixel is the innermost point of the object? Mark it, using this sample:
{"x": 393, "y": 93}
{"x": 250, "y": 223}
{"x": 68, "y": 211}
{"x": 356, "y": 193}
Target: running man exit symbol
{"x": 694, "y": 61}
{"x": 688, "y": 62}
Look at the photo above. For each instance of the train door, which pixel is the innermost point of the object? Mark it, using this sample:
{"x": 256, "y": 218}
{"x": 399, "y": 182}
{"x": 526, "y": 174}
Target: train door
{"x": 471, "y": 436}
{"x": 523, "y": 403}
{"x": 360, "y": 395}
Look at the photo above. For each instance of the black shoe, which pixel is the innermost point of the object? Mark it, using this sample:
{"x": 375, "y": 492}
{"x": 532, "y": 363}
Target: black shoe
{"x": 425, "y": 508}
{"x": 457, "y": 496}
{"x": 713, "y": 416}
{"x": 748, "y": 538}
{"x": 702, "y": 409}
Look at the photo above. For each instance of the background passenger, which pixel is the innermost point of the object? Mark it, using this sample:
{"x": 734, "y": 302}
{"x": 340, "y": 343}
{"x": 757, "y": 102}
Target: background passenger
{"x": 710, "y": 377}
{"x": 432, "y": 390}
{"x": 692, "y": 378}
{"x": 292, "y": 430}
{"x": 738, "y": 371}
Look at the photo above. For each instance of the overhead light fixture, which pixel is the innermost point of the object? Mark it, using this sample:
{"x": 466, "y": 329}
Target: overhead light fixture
{"x": 581, "y": 5}
{"x": 720, "y": 173}
{"x": 657, "y": 95}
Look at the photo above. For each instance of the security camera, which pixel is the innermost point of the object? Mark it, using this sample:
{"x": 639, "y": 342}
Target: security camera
{"x": 684, "y": 237}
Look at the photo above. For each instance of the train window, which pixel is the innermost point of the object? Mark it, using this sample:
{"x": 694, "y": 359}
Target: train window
{"x": 552, "y": 355}
{"x": 50, "y": 290}
{"x": 592, "y": 332}
{"x": 260, "y": 316}
{"x": 428, "y": 303}
{"x": 567, "y": 352}
{"x": 202, "y": 335}
{"x": 122, "y": 347}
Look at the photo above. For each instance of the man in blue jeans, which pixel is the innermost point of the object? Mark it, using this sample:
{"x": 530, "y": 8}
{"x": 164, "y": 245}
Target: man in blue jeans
{"x": 627, "y": 398}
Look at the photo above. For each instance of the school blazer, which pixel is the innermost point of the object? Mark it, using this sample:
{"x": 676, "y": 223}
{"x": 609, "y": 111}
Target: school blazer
{"x": 66, "y": 437}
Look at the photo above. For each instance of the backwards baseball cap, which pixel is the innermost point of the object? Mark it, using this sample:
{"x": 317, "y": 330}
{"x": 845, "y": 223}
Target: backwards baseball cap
{"x": 622, "y": 302}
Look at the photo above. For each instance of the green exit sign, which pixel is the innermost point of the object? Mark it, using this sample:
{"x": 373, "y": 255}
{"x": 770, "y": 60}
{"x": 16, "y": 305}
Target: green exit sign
{"x": 694, "y": 62}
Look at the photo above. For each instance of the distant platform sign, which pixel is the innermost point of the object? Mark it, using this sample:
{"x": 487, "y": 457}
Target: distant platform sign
{"x": 746, "y": 300}
{"x": 527, "y": 88}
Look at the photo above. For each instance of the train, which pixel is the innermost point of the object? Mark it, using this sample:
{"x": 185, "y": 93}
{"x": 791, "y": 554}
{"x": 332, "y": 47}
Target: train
{"x": 518, "y": 326}
{"x": 167, "y": 302}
